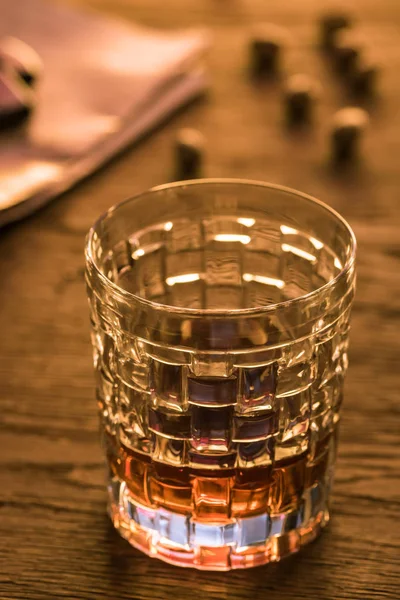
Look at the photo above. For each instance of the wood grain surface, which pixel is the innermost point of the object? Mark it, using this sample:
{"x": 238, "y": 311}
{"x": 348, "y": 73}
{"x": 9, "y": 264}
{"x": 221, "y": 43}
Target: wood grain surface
{"x": 55, "y": 538}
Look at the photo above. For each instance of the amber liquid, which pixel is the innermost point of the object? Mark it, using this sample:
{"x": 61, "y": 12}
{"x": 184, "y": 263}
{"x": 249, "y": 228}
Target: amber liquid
{"x": 219, "y": 495}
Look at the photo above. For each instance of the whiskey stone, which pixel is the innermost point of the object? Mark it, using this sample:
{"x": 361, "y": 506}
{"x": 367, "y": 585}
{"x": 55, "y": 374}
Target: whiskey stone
{"x": 348, "y": 126}
{"x": 188, "y": 154}
{"x": 300, "y": 94}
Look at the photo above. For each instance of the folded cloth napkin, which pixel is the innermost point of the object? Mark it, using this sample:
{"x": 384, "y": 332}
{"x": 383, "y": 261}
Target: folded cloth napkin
{"x": 104, "y": 84}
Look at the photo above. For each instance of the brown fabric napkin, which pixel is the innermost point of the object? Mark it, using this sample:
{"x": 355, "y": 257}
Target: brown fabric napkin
{"x": 104, "y": 84}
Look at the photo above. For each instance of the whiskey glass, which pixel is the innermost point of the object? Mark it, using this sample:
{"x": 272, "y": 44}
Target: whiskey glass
{"x": 220, "y": 319}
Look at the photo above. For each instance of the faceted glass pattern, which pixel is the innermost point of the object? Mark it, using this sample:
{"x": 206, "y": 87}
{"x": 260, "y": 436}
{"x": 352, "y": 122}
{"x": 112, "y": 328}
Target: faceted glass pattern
{"x": 220, "y": 318}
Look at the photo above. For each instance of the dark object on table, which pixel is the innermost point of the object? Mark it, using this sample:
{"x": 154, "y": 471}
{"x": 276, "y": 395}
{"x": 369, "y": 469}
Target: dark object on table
{"x": 16, "y": 101}
{"x": 188, "y": 154}
{"x": 346, "y": 51}
{"x": 330, "y": 25}
{"x": 266, "y": 50}
{"x": 364, "y": 79}
{"x": 345, "y": 59}
{"x": 348, "y": 126}
{"x": 17, "y": 56}
{"x": 300, "y": 92}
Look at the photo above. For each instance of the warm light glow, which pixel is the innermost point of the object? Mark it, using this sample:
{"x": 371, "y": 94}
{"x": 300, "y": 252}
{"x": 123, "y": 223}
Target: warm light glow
{"x": 26, "y": 181}
{"x": 316, "y": 243}
{"x": 337, "y": 263}
{"x": 138, "y": 253}
{"x": 246, "y": 222}
{"x": 288, "y": 230}
{"x": 232, "y": 237}
{"x": 265, "y": 280}
{"x": 298, "y": 252}
{"x": 168, "y": 226}
{"x": 188, "y": 278}
{"x": 299, "y": 355}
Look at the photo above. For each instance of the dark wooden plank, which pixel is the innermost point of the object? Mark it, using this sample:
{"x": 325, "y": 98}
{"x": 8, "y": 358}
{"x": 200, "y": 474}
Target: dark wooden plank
{"x": 56, "y": 539}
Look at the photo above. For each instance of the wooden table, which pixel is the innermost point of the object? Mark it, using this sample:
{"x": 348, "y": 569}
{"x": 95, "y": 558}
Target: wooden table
{"x": 56, "y": 540}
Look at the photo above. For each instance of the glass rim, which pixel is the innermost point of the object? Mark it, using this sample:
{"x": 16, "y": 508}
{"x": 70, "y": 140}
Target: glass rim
{"x": 220, "y": 312}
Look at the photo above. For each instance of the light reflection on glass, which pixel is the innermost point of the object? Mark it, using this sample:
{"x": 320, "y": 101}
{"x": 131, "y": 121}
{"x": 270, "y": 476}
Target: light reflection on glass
{"x": 265, "y": 280}
{"x": 246, "y": 222}
{"x": 288, "y": 230}
{"x": 188, "y": 278}
{"x": 232, "y": 237}
{"x": 337, "y": 263}
{"x": 298, "y": 252}
{"x": 316, "y": 243}
{"x": 138, "y": 253}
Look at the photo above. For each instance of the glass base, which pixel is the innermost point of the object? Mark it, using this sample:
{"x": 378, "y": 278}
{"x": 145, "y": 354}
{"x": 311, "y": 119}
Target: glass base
{"x": 235, "y": 544}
